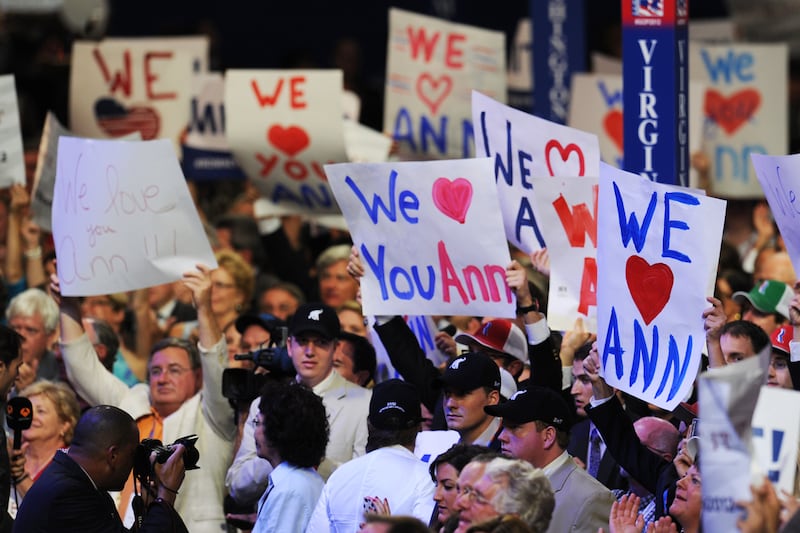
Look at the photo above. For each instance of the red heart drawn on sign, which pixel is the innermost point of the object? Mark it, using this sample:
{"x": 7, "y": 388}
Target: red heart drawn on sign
{"x": 612, "y": 123}
{"x": 432, "y": 91}
{"x": 650, "y": 286}
{"x": 290, "y": 141}
{"x": 732, "y": 112}
{"x": 452, "y": 198}
{"x": 116, "y": 120}
{"x": 563, "y": 152}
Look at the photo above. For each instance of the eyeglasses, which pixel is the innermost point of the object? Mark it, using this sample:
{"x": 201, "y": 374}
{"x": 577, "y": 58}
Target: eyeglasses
{"x": 779, "y": 363}
{"x": 173, "y": 371}
{"x": 221, "y": 285}
{"x": 473, "y": 495}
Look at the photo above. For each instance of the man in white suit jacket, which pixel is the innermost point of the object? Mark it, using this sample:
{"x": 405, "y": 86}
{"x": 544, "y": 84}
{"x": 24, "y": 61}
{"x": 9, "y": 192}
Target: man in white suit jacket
{"x": 184, "y": 397}
{"x": 313, "y": 331}
{"x": 536, "y": 426}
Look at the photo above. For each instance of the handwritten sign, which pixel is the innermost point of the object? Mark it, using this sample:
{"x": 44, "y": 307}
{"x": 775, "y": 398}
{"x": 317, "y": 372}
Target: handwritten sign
{"x": 430, "y": 236}
{"x": 779, "y": 177}
{"x": 121, "y": 86}
{"x": 44, "y": 178}
{"x": 567, "y": 211}
{"x": 205, "y": 150}
{"x": 727, "y": 397}
{"x": 657, "y": 253}
{"x": 123, "y": 218}
{"x": 776, "y": 430}
{"x": 12, "y": 164}
{"x": 431, "y": 68}
{"x": 522, "y": 146}
{"x": 746, "y": 110}
{"x": 283, "y": 126}
{"x": 596, "y": 107}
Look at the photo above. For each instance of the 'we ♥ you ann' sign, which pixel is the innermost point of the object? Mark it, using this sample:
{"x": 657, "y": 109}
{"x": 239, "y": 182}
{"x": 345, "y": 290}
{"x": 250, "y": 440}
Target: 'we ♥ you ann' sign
{"x": 429, "y": 234}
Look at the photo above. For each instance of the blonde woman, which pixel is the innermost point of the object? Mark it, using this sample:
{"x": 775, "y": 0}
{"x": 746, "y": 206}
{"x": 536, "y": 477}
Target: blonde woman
{"x": 55, "y": 414}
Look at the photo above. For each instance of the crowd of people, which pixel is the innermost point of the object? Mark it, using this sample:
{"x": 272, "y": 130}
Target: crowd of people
{"x": 309, "y": 416}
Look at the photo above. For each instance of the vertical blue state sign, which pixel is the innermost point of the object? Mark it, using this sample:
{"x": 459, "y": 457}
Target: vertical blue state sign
{"x": 655, "y": 96}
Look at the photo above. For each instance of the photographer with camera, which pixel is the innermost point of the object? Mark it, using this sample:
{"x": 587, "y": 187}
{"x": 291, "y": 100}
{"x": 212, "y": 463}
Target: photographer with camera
{"x": 72, "y": 493}
{"x": 183, "y": 397}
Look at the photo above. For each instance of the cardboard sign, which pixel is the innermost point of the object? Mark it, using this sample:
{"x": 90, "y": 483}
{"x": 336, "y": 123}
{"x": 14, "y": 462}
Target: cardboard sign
{"x": 559, "y": 50}
{"x": 283, "y": 126}
{"x": 522, "y": 146}
{"x": 746, "y": 110}
{"x": 657, "y": 253}
{"x": 597, "y": 108}
{"x": 123, "y": 218}
{"x": 779, "y": 177}
{"x": 44, "y": 178}
{"x": 776, "y": 430}
{"x": 654, "y": 64}
{"x": 567, "y": 211}
{"x": 432, "y": 66}
{"x": 12, "y": 163}
{"x": 121, "y": 86}
{"x": 727, "y": 397}
{"x": 205, "y": 150}
{"x": 430, "y": 236}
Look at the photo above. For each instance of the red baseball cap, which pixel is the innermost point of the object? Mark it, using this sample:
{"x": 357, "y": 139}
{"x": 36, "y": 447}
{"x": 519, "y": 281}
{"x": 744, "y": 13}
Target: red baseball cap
{"x": 500, "y": 335}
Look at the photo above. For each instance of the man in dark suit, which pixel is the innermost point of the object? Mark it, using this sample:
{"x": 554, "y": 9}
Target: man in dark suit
{"x": 71, "y": 494}
{"x": 586, "y": 443}
{"x": 536, "y": 424}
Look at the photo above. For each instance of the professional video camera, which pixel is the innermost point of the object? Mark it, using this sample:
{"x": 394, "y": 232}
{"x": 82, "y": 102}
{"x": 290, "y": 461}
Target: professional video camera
{"x": 242, "y": 385}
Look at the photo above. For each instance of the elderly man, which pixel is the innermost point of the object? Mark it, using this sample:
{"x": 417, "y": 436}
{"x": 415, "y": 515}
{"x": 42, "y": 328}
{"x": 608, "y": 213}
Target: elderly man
{"x": 500, "y": 487}
{"x": 183, "y": 397}
{"x": 536, "y": 424}
{"x": 33, "y": 315}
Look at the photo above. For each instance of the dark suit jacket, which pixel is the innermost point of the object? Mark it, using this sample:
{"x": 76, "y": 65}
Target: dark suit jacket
{"x": 608, "y": 474}
{"x": 183, "y": 312}
{"x": 64, "y": 499}
{"x": 649, "y": 469}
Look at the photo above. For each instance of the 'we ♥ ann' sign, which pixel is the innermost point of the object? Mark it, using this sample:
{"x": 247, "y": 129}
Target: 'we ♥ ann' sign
{"x": 522, "y": 146}
{"x": 123, "y": 218}
{"x": 657, "y": 253}
{"x": 283, "y": 126}
{"x": 429, "y": 234}
{"x": 432, "y": 66}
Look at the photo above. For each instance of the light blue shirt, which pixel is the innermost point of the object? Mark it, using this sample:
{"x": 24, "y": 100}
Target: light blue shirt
{"x": 289, "y": 500}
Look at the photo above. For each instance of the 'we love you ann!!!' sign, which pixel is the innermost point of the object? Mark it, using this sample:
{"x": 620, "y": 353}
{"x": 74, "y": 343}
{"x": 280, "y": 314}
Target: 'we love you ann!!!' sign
{"x": 657, "y": 253}
{"x": 429, "y": 234}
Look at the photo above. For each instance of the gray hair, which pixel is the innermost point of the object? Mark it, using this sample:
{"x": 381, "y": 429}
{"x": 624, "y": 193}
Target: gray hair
{"x": 524, "y": 491}
{"x": 331, "y": 255}
{"x": 31, "y": 302}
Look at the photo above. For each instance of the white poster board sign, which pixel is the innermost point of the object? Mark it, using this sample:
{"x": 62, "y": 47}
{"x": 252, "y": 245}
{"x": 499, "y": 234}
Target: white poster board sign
{"x": 776, "y": 432}
{"x": 432, "y": 67}
{"x": 283, "y": 127}
{"x": 12, "y": 162}
{"x": 430, "y": 236}
{"x": 567, "y": 211}
{"x": 123, "y": 218}
{"x": 657, "y": 253}
{"x": 521, "y": 146}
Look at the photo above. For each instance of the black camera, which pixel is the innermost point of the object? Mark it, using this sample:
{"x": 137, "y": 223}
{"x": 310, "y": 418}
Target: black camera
{"x": 141, "y": 465}
{"x": 241, "y": 385}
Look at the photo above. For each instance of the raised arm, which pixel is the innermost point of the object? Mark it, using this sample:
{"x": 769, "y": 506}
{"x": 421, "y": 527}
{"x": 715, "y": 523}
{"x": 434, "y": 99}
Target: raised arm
{"x": 713, "y": 320}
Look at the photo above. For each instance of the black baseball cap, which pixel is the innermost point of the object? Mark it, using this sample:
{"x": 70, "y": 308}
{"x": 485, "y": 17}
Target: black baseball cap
{"x": 316, "y": 318}
{"x": 472, "y": 371}
{"x": 534, "y": 403}
{"x": 395, "y": 405}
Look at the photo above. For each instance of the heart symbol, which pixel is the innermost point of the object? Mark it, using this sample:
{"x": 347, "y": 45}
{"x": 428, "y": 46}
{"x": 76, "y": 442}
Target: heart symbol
{"x": 116, "y": 120}
{"x": 612, "y": 123}
{"x": 290, "y": 141}
{"x": 650, "y": 286}
{"x": 452, "y": 198}
{"x": 731, "y": 112}
{"x": 564, "y": 152}
{"x": 432, "y": 91}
